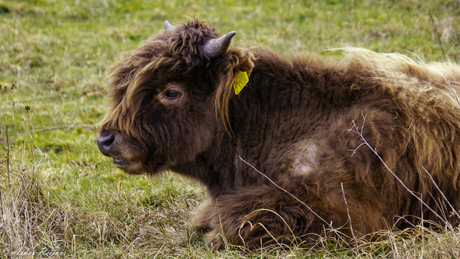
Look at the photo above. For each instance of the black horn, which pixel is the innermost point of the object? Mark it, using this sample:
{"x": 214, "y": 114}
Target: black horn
{"x": 217, "y": 47}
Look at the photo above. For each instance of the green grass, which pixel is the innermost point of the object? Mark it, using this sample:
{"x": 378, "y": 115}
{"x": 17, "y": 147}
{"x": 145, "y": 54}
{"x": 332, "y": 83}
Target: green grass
{"x": 63, "y": 196}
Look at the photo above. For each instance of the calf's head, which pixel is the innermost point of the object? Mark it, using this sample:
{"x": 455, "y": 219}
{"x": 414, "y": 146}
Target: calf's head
{"x": 165, "y": 95}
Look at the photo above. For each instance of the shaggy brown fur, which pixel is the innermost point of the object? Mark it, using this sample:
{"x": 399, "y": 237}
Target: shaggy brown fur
{"x": 302, "y": 124}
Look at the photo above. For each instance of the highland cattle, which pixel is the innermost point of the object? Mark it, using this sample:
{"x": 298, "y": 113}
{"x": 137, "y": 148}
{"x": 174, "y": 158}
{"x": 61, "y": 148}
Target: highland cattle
{"x": 289, "y": 148}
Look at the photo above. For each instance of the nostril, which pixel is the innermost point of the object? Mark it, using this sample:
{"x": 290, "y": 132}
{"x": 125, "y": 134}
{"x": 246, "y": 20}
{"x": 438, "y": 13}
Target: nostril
{"x": 104, "y": 142}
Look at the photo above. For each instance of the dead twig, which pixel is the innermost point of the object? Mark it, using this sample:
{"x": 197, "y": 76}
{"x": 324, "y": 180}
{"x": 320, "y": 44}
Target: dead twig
{"x": 359, "y": 131}
{"x": 437, "y": 35}
{"x": 88, "y": 127}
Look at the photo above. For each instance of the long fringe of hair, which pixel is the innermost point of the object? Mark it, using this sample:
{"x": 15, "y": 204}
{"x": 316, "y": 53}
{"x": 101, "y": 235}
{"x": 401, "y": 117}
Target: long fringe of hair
{"x": 237, "y": 60}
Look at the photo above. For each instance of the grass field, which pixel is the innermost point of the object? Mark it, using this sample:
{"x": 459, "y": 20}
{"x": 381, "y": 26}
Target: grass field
{"x": 61, "y": 198}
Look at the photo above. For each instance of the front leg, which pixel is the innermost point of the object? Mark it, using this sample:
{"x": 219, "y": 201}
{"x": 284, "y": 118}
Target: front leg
{"x": 203, "y": 218}
{"x": 255, "y": 216}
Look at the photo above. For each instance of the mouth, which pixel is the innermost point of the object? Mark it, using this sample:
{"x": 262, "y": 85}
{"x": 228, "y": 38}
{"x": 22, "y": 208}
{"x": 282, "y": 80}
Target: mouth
{"x": 118, "y": 161}
{"x": 130, "y": 167}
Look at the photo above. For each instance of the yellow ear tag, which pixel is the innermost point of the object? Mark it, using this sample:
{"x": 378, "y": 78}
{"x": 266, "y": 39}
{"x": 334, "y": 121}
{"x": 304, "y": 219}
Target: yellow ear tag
{"x": 240, "y": 82}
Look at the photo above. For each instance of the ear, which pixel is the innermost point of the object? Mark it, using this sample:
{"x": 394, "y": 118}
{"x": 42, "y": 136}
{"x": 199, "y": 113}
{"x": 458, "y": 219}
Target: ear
{"x": 241, "y": 60}
{"x": 235, "y": 60}
{"x": 246, "y": 62}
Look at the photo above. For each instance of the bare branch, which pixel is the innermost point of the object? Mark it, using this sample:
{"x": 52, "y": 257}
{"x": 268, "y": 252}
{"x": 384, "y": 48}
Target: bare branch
{"x": 88, "y": 127}
{"x": 437, "y": 35}
{"x": 348, "y": 212}
{"x": 437, "y": 187}
{"x": 358, "y": 131}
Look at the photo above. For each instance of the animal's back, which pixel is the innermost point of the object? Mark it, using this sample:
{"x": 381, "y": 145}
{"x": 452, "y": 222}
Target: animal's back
{"x": 396, "y": 134}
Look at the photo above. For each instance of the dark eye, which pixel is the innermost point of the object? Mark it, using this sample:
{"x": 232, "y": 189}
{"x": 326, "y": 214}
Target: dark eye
{"x": 171, "y": 94}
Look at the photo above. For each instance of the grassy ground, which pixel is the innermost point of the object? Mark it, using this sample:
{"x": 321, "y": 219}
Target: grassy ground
{"x": 61, "y": 198}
